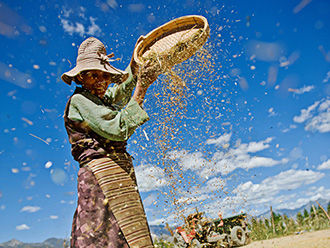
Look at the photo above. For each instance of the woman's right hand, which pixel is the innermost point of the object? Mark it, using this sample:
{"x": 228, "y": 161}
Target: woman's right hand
{"x": 148, "y": 74}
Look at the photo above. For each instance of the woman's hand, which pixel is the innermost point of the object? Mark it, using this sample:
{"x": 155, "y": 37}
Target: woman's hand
{"x": 148, "y": 74}
{"x": 139, "y": 93}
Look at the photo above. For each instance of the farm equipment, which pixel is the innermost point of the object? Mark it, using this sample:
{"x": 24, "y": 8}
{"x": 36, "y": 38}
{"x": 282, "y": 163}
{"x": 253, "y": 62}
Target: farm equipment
{"x": 199, "y": 231}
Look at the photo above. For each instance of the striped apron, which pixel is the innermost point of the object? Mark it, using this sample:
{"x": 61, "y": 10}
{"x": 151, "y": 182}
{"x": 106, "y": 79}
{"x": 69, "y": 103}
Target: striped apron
{"x": 116, "y": 177}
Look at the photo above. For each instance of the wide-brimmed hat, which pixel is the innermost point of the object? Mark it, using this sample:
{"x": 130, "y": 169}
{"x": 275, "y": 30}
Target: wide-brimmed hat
{"x": 92, "y": 55}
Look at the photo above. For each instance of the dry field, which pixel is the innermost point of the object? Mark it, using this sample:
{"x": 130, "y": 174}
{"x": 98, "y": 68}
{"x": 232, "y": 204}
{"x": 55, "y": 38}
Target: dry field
{"x": 318, "y": 239}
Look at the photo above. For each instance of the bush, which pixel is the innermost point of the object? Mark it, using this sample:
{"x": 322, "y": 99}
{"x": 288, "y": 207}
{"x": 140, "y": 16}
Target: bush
{"x": 309, "y": 221}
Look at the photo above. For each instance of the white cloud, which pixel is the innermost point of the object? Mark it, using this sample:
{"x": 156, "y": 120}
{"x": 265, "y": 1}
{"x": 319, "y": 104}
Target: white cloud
{"x": 225, "y": 162}
{"x": 326, "y": 79}
{"x": 313, "y": 193}
{"x": 320, "y": 122}
{"x": 297, "y": 203}
{"x": 53, "y": 217}
{"x": 72, "y": 28}
{"x": 306, "y": 114}
{"x": 292, "y": 126}
{"x": 67, "y": 12}
{"x": 255, "y": 162}
{"x": 304, "y": 89}
{"x": 150, "y": 177}
{"x": 324, "y": 166}
{"x": 223, "y": 139}
{"x": 316, "y": 116}
{"x": 30, "y": 209}
{"x": 22, "y": 227}
{"x": 282, "y": 199}
{"x": 271, "y": 192}
{"x": 324, "y": 106}
{"x": 79, "y": 29}
{"x": 93, "y": 29}
{"x": 258, "y": 146}
{"x": 79, "y": 24}
{"x": 292, "y": 179}
{"x": 67, "y": 26}
{"x": 188, "y": 161}
{"x": 271, "y": 186}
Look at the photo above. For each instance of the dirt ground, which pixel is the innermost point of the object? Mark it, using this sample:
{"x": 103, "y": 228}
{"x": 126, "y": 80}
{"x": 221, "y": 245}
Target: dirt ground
{"x": 318, "y": 239}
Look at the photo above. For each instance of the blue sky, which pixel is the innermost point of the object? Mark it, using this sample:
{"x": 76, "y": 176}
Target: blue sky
{"x": 254, "y": 132}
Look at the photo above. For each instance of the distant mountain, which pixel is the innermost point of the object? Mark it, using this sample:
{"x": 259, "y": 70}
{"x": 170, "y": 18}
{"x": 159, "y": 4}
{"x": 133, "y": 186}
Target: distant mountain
{"x": 159, "y": 230}
{"x": 292, "y": 213}
{"x": 12, "y": 243}
{"x": 49, "y": 243}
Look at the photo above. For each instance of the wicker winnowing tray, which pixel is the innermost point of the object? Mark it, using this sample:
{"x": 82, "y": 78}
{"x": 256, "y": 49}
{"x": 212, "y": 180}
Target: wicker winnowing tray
{"x": 173, "y": 42}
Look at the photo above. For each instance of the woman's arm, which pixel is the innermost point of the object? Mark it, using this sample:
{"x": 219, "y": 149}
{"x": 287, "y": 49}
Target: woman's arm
{"x": 119, "y": 95}
{"x": 110, "y": 124}
{"x": 147, "y": 75}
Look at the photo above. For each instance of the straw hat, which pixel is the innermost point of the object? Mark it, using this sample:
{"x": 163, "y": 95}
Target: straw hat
{"x": 92, "y": 55}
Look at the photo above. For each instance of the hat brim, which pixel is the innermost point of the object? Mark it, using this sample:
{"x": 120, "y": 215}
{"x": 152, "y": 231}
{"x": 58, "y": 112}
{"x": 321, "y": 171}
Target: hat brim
{"x": 117, "y": 76}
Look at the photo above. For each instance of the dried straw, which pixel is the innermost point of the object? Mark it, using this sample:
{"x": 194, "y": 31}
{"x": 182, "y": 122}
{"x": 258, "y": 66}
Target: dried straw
{"x": 172, "y": 43}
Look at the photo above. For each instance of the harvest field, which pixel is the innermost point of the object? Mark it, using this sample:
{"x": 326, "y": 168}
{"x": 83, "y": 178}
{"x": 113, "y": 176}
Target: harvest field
{"x": 317, "y": 239}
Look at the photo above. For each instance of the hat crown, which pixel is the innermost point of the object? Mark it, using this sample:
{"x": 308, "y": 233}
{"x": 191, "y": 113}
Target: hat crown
{"x": 92, "y": 55}
{"x": 91, "y": 48}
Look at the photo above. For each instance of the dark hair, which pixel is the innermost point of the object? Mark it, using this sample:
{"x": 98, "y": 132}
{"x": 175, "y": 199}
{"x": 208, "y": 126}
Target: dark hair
{"x": 76, "y": 80}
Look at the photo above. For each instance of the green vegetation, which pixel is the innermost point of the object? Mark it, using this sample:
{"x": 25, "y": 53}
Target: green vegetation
{"x": 162, "y": 243}
{"x": 280, "y": 225}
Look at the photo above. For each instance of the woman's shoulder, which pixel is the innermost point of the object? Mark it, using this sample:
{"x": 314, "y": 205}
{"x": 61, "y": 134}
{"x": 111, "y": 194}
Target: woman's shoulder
{"x": 77, "y": 98}
{"x": 85, "y": 97}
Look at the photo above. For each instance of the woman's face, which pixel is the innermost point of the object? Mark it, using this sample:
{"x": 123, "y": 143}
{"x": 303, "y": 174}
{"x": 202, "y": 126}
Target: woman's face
{"x": 95, "y": 81}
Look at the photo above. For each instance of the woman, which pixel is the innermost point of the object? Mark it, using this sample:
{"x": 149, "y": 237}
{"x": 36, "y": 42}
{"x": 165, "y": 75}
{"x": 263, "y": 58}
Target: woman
{"x": 99, "y": 120}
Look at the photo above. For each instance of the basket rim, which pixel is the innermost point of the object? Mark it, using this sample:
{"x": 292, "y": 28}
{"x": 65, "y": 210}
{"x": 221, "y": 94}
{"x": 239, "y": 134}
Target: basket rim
{"x": 166, "y": 28}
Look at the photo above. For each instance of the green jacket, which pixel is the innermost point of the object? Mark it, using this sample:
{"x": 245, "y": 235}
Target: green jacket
{"x": 115, "y": 117}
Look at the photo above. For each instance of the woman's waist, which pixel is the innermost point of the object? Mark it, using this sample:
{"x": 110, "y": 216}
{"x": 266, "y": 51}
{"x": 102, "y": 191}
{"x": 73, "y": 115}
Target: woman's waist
{"x": 92, "y": 143}
{"x": 87, "y": 149}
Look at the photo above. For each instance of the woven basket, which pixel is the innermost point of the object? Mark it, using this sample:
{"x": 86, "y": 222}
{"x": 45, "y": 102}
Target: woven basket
{"x": 173, "y": 42}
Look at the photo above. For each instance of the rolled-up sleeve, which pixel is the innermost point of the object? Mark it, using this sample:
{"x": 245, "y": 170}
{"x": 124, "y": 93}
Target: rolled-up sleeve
{"x": 119, "y": 95}
{"x": 110, "y": 124}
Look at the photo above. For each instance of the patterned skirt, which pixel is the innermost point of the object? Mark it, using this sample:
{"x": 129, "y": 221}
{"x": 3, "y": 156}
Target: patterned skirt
{"x": 110, "y": 211}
